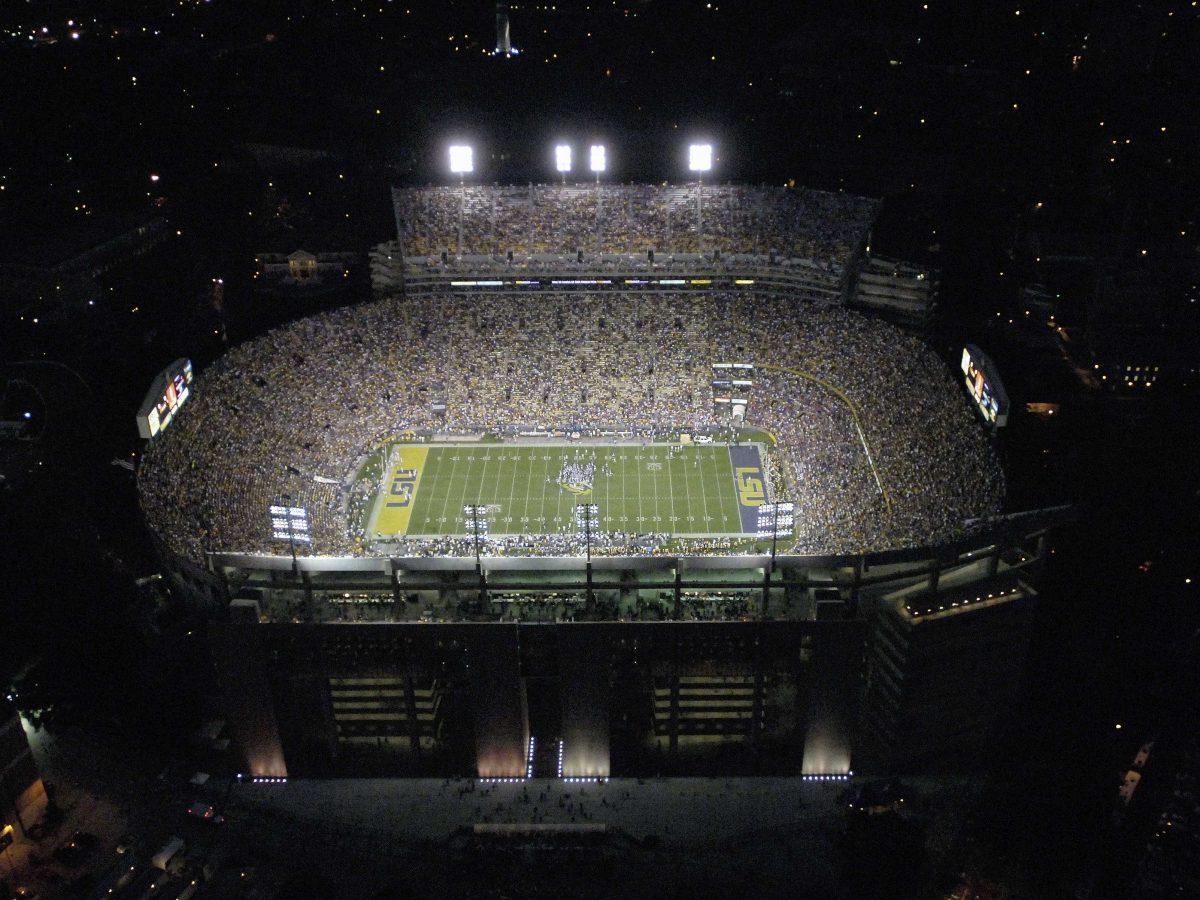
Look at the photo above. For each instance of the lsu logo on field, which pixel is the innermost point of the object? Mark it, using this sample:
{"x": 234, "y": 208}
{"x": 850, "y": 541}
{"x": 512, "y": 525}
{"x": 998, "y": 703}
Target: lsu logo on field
{"x": 749, "y": 485}
{"x": 577, "y": 477}
{"x": 400, "y": 493}
{"x": 400, "y": 490}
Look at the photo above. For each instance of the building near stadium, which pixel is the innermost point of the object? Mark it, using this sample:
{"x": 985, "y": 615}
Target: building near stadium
{"x": 595, "y": 487}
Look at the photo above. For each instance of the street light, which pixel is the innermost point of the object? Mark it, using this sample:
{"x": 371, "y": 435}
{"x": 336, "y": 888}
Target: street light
{"x": 700, "y": 159}
{"x": 462, "y": 161}
{"x": 562, "y": 160}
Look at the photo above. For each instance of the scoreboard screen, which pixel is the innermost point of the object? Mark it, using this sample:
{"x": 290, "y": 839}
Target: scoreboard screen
{"x": 984, "y": 385}
{"x": 166, "y": 396}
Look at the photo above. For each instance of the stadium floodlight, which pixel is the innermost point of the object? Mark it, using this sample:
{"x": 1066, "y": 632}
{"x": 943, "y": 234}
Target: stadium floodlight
{"x": 597, "y": 159}
{"x": 774, "y": 519}
{"x": 290, "y": 523}
{"x": 587, "y": 518}
{"x": 562, "y": 158}
{"x": 700, "y": 157}
{"x": 475, "y": 515}
{"x": 462, "y": 159}
{"x": 598, "y": 162}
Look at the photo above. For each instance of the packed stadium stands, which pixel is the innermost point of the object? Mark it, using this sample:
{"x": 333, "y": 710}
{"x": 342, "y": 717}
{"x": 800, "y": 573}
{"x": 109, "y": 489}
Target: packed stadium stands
{"x": 797, "y": 224}
{"x": 310, "y": 399}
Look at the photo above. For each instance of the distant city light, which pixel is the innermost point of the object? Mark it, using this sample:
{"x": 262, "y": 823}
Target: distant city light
{"x": 597, "y": 161}
{"x": 562, "y": 158}
{"x": 462, "y": 159}
{"x": 700, "y": 157}
{"x": 154, "y": 177}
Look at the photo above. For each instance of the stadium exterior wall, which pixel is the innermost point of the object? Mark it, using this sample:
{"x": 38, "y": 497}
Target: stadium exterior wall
{"x": 808, "y": 664}
{"x": 624, "y": 699}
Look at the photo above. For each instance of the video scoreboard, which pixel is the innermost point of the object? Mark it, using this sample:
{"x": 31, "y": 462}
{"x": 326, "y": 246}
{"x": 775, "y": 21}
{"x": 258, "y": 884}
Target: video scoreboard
{"x": 167, "y": 394}
{"x": 984, "y": 385}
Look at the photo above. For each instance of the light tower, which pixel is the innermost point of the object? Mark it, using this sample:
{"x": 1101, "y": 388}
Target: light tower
{"x": 774, "y": 519}
{"x": 587, "y": 519}
{"x": 598, "y": 162}
{"x": 562, "y": 160}
{"x": 475, "y": 515}
{"x": 462, "y": 161}
{"x": 700, "y": 158}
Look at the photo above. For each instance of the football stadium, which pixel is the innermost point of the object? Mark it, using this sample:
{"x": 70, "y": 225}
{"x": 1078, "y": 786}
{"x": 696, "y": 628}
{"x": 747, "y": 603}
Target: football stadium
{"x": 608, "y": 470}
{"x": 862, "y": 428}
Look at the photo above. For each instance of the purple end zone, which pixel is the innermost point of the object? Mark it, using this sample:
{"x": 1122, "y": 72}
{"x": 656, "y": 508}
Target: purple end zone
{"x": 748, "y": 483}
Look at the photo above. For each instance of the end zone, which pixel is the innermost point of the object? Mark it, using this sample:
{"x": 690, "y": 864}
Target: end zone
{"x": 393, "y": 509}
{"x": 748, "y": 483}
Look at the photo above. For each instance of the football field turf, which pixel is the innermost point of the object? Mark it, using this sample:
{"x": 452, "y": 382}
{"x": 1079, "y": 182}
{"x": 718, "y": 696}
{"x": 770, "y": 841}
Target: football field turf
{"x": 687, "y": 490}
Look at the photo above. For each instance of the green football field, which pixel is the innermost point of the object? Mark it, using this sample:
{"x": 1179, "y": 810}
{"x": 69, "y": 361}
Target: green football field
{"x": 687, "y": 490}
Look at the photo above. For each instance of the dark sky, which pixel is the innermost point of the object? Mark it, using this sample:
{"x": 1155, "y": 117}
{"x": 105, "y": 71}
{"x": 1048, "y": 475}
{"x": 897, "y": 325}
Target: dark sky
{"x": 866, "y": 95}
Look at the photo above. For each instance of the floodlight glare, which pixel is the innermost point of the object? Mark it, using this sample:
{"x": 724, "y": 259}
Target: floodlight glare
{"x": 562, "y": 158}
{"x": 461, "y": 159}
{"x": 700, "y": 157}
{"x": 597, "y": 161}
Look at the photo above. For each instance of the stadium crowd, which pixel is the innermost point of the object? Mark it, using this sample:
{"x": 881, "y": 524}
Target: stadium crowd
{"x": 875, "y": 443}
{"x": 795, "y": 223}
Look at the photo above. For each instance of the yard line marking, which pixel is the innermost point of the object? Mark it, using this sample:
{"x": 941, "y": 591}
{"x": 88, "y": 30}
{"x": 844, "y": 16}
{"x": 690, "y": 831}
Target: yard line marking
{"x": 486, "y": 493}
{"x": 638, "y": 509}
{"x": 510, "y": 504}
{"x": 542, "y": 505}
{"x": 466, "y": 485}
{"x": 693, "y": 456}
{"x": 524, "y": 520}
{"x": 671, "y": 495}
